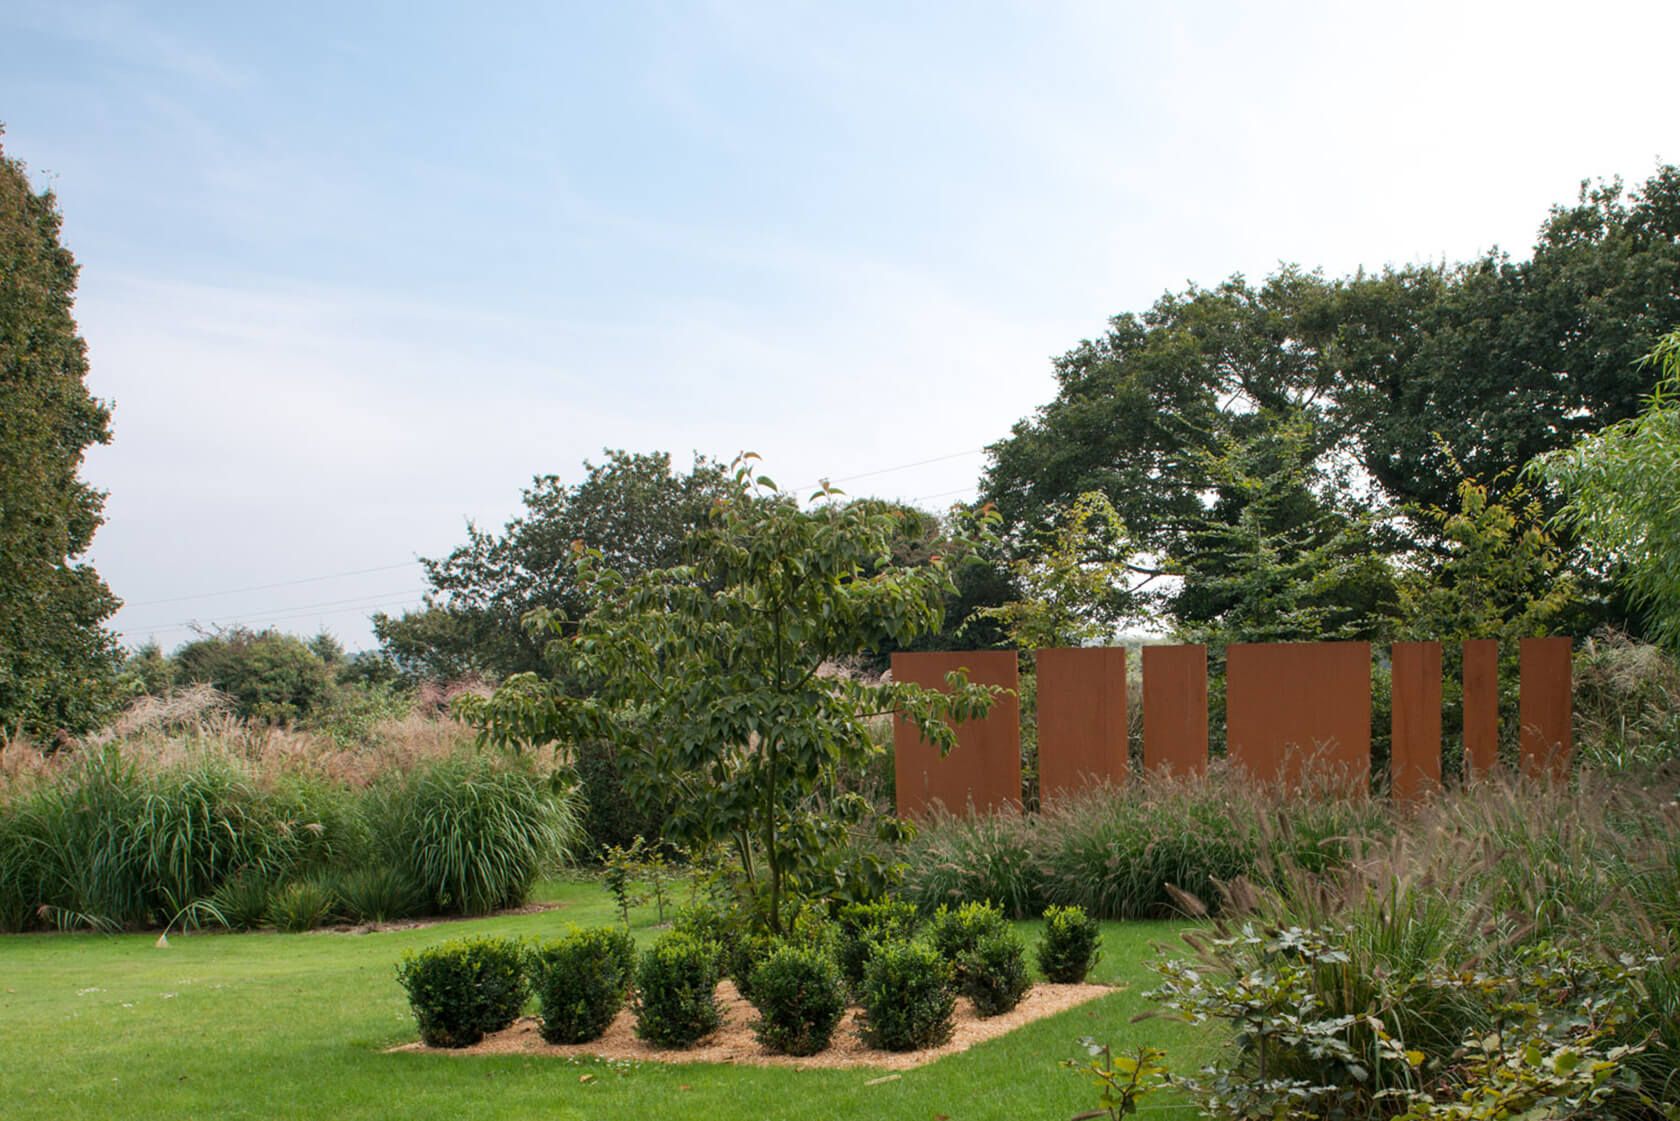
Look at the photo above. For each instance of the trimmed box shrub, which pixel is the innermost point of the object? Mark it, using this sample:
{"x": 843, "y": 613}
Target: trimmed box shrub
{"x": 955, "y": 933}
{"x": 1068, "y": 948}
{"x": 462, "y": 989}
{"x": 864, "y": 926}
{"x": 907, "y": 998}
{"x": 799, "y": 998}
{"x": 994, "y": 973}
{"x": 676, "y": 998}
{"x": 580, "y": 981}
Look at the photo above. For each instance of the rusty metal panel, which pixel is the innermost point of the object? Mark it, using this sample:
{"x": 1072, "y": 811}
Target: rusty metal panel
{"x": 985, "y": 766}
{"x": 1481, "y": 707}
{"x": 1081, "y": 718}
{"x": 1175, "y": 711}
{"x": 1291, "y": 702}
{"x": 1545, "y": 706}
{"x": 1415, "y": 751}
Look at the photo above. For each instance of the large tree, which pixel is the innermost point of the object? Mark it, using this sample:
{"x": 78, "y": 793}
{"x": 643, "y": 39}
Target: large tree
{"x": 1473, "y": 370}
{"x": 1385, "y": 390}
{"x": 632, "y": 509}
{"x": 57, "y": 660}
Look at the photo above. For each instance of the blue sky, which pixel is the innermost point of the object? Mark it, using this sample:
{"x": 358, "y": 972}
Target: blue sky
{"x": 353, "y": 273}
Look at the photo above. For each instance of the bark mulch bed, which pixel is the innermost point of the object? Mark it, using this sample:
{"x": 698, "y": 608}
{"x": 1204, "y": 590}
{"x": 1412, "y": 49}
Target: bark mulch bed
{"x": 734, "y": 1042}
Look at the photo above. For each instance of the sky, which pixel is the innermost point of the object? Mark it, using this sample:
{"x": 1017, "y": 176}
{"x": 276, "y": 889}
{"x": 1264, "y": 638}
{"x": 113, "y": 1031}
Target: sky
{"x": 354, "y": 273}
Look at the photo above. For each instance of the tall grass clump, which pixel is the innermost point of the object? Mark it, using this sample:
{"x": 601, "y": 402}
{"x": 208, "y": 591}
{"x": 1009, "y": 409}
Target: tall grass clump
{"x": 980, "y": 858}
{"x": 1115, "y": 851}
{"x": 110, "y": 844}
{"x": 474, "y": 835}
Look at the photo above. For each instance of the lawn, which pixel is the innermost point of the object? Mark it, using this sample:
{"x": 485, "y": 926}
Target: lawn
{"x": 296, "y": 1026}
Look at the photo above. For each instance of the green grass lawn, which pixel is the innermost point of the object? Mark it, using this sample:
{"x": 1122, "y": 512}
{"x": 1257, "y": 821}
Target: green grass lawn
{"x": 296, "y": 1025}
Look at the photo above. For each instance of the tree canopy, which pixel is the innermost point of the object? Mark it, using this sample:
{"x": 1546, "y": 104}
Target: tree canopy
{"x": 631, "y": 509}
{"x": 1247, "y": 431}
{"x": 57, "y": 660}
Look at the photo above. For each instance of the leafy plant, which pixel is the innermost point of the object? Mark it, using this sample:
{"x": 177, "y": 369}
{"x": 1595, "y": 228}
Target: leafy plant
{"x": 618, "y": 872}
{"x": 462, "y": 989}
{"x": 1123, "y": 1082}
{"x": 676, "y": 1002}
{"x": 1068, "y": 948}
{"x": 907, "y": 998}
{"x": 302, "y": 905}
{"x": 580, "y": 982}
{"x": 800, "y": 999}
{"x": 244, "y": 901}
{"x": 378, "y": 893}
{"x": 994, "y": 973}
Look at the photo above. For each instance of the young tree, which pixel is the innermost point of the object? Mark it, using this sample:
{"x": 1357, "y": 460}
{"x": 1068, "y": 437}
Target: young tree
{"x": 713, "y": 676}
{"x": 57, "y": 661}
{"x": 1622, "y": 484}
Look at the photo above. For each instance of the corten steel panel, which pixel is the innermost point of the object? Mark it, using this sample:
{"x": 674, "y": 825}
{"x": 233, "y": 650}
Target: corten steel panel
{"x": 985, "y": 766}
{"x": 1175, "y": 710}
{"x": 1415, "y": 754}
{"x": 1287, "y": 703}
{"x": 1544, "y": 705}
{"x": 1081, "y": 718}
{"x": 1481, "y": 707}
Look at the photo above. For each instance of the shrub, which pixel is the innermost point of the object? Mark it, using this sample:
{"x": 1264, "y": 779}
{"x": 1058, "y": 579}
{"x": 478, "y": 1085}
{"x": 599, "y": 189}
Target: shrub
{"x": 994, "y": 973}
{"x": 810, "y": 930}
{"x": 864, "y": 926}
{"x": 464, "y": 988}
{"x": 243, "y": 902}
{"x": 907, "y": 998}
{"x": 270, "y": 676}
{"x": 1068, "y": 947}
{"x": 302, "y": 905}
{"x": 378, "y": 893}
{"x": 476, "y": 836}
{"x": 799, "y": 998}
{"x": 704, "y": 922}
{"x": 676, "y": 998}
{"x": 580, "y": 981}
{"x": 955, "y": 933}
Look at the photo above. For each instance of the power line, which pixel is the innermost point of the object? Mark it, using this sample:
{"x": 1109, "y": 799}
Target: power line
{"x": 890, "y": 470}
{"x": 377, "y": 600}
{"x": 152, "y": 631}
{"x": 278, "y": 584}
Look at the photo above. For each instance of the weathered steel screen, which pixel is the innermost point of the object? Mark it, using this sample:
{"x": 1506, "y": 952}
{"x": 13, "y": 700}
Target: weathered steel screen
{"x": 1289, "y": 703}
{"x": 1175, "y": 711}
{"x": 1081, "y": 718}
{"x": 985, "y": 766}
{"x": 1481, "y": 707}
{"x": 1415, "y": 753}
{"x": 1545, "y": 706}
